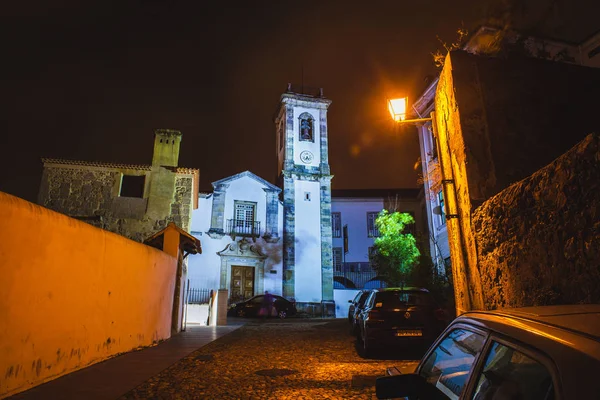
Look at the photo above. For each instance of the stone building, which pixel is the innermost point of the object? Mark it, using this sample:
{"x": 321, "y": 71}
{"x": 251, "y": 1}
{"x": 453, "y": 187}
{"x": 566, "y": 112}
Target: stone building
{"x": 499, "y": 122}
{"x": 500, "y": 43}
{"x": 132, "y": 200}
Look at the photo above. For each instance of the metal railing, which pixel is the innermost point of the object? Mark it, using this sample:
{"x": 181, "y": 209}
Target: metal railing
{"x": 372, "y": 232}
{"x": 241, "y": 227}
{"x": 357, "y": 275}
{"x": 198, "y": 296}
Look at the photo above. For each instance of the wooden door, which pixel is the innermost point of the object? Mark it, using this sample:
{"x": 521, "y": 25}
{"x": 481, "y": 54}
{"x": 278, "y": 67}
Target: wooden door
{"x": 242, "y": 282}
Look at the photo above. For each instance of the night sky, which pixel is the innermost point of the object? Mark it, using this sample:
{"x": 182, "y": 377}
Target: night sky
{"x": 91, "y": 80}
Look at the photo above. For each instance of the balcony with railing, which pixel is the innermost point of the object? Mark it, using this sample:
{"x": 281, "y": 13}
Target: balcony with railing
{"x": 356, "y": 275}
{"x": 242, "y": 227}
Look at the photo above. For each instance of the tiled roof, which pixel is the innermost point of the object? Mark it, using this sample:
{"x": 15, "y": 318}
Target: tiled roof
{"x": 180, "y": 170}
{"x": 95, "y": 164}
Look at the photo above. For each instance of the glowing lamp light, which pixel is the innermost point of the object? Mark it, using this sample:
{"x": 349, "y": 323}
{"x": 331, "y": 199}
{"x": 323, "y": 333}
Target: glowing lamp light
{"x": 397, "y": 108}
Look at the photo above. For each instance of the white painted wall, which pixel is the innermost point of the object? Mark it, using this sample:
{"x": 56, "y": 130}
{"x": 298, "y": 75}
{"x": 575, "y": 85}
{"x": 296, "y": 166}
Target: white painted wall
{"x": 354, "y": 214}
{"x": 439, "y": 248}
{"x": 341, "y": 297}
{"x": 300, "y": 146}
{"x": 204, "y": 269}
{"x": 308, "y": 242}
{"x": 197, "y": 314}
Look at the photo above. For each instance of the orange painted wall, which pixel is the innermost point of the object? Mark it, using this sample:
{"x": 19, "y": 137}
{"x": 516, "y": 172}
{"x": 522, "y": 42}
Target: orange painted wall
{"x": 72, "y": 295}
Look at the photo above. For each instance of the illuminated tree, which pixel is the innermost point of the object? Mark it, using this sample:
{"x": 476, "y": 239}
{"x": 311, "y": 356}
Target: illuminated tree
{"x": 396, "y": 250}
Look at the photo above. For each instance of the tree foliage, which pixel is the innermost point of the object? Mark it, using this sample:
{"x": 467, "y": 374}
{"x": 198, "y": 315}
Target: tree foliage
{"x": 396, "y": 251}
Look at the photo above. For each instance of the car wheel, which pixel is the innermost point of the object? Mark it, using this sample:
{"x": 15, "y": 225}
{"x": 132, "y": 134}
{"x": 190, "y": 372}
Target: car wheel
{"x": 241, "y": 313}
{"x": 282, "y": 314}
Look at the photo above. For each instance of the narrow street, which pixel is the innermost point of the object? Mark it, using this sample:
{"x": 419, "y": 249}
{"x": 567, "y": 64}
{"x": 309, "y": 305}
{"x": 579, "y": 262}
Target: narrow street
{"x": 273, "y": 359}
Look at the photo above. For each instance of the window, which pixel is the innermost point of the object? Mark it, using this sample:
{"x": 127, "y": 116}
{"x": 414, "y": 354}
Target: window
{"x": 281, "y": 133}
{"x": 345, "y": 234}
{"x": 244, "y": 216}
{"x": 390, "y": 300}
{"x": 412, "y": 228}
{"x": 434, "y": 154}
{"x": 336, "y": 224}
{"x": 337, "y": 259}
{"x": 509, "y": 373}
{"x": 306, "y": 126}
{"x": 132, "y": 186}
{"x": 372, "y": 230}
{"x": 448, "y": 367}
{"x": 442, "y": 210}
{"x": 371, "y": 252}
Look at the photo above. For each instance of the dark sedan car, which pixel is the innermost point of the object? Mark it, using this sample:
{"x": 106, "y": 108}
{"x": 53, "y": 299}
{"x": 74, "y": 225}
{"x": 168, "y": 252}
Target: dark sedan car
{"x": 398, "y": 316}
{"x": 251, "y": 308}
{"x": 550, "y": 352}
{"x": 356, "y": 306}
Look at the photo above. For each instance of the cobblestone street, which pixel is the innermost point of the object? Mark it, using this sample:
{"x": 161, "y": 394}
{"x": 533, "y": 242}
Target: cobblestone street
{"x": 292, "y": 359}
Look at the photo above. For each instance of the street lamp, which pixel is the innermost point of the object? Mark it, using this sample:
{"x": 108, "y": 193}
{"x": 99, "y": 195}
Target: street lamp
{"x": 398, "y": 108}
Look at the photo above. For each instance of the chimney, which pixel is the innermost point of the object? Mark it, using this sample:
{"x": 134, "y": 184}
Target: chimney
{"x": 166, "y": 148}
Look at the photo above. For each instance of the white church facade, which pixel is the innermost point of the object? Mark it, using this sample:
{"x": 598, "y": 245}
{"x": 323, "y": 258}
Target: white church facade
{"x": 259, "y": 237}
{"x": 284, "y": 239}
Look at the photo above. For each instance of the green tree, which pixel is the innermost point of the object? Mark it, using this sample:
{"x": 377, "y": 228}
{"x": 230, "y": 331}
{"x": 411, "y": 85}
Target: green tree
{"x": 396, "y": 251}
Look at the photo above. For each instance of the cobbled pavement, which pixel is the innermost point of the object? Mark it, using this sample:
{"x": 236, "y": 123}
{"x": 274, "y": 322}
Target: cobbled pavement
{"x": 273, "y": 359}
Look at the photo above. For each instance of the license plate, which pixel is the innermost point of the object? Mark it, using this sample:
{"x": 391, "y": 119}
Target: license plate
{"x": 409, "y": 332}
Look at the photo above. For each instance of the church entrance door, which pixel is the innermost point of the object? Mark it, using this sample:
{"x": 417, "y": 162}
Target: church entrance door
{"x": 242, "y": 283}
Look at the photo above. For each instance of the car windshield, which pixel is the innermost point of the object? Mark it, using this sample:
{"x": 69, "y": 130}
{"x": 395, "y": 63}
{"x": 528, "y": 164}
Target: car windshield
{"x": 398, "y": 298}
{"x": 363, "y": 298}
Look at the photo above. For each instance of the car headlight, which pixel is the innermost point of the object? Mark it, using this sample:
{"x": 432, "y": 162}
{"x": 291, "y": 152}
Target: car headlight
{"x": 233, "y": 306}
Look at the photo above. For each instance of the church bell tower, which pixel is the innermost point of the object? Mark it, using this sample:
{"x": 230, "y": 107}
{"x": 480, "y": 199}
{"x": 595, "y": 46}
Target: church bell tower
{"x": 304, "y": 175}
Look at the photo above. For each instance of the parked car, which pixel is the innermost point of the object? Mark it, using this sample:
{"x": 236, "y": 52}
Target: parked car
{"x": 550, "y": 352}
{"x": 396, "y": 316}
{"x": 251, "y": 307}
{"x": 355, "y": 307}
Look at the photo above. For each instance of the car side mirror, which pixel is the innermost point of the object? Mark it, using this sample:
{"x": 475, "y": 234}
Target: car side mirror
{"x": 389, "y": 387}
{"x": 408, "y": 385}
{"x": 349, "y": 301}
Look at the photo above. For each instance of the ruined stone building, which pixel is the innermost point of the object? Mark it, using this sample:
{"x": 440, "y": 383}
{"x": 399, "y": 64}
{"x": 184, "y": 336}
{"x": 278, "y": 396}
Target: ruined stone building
{"x": 497, "y": 43}
{"x": 132, "y": 200}
{"x": 518, "y": 141}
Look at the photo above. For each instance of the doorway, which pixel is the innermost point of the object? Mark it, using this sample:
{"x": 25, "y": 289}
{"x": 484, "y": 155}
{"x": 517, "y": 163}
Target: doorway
{"x": 242, "y": 283}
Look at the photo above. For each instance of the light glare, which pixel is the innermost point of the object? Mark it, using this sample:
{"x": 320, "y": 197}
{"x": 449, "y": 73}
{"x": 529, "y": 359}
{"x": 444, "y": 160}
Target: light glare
{"x": 397, "y": 108}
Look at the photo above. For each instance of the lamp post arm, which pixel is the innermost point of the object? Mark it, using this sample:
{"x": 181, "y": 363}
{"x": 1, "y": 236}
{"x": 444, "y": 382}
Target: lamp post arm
{"x": 414, "y": 120}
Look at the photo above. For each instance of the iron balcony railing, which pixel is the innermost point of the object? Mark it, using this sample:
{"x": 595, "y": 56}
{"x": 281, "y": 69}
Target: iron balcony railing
{"x": 357, "y": 275}
{"x": 372, "y": 232}
{"x": 242, "y": 227}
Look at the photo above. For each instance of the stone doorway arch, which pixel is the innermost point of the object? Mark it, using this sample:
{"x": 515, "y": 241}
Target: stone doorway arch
{"x": 242, "y": 253}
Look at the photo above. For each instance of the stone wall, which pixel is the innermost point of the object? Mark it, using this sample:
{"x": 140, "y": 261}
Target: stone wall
{"x": 91, "y": 194}
{"x": 519, "y": 114}
{"x": 459, "y": 155}
{"x": 538, "y": 241}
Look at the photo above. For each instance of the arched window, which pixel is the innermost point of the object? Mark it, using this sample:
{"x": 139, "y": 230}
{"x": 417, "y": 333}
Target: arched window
{"x": 306, "y": 127}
